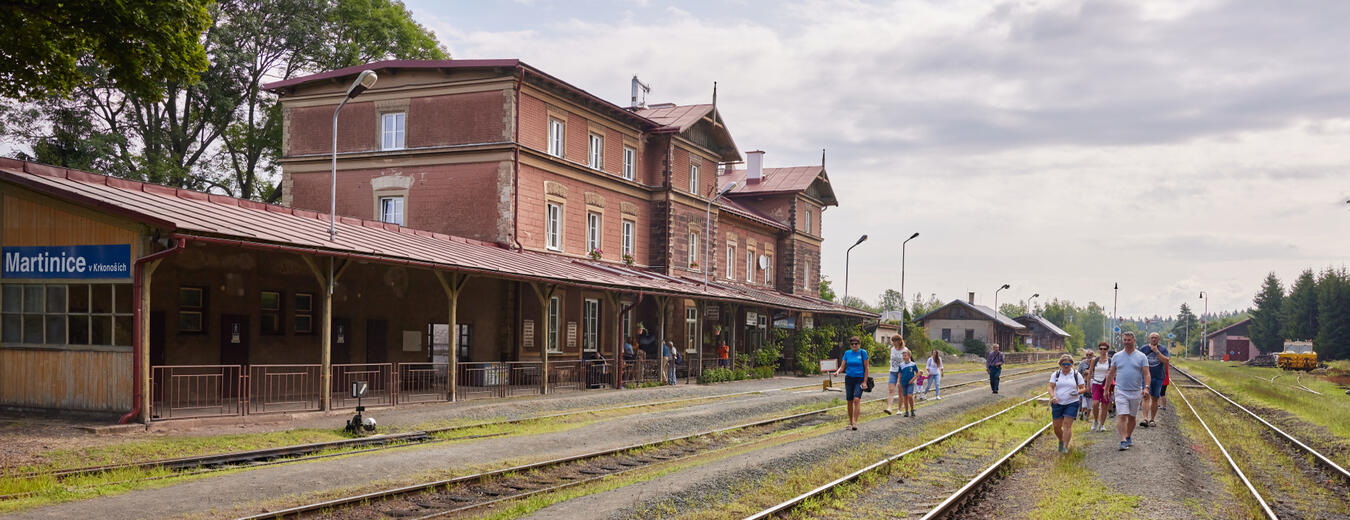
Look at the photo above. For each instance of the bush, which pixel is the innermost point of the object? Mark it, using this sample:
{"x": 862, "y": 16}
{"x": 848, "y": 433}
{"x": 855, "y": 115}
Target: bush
{"x": 975, "y": 346}
{"x": 916, "y": 338}
{"x": 944, "y": 347}
{"x": 721, "y": 375}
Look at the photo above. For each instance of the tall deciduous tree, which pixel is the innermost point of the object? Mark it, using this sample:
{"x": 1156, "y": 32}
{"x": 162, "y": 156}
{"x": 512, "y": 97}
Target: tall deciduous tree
{"x": 1093, "y": 321}
{"x": 1187, "y": 328}
{"x": 1333, "y": 314}
{"x": 890, "y": 300}
{"x": 48, "y": 47}
{"x": 1267, "y": 327}
{"x": 826, "y": 292}
{"x": 1300, "y": 308}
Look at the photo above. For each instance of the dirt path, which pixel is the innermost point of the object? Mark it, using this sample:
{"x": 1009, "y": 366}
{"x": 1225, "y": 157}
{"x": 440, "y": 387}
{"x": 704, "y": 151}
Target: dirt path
{"x": 697, "y": 487}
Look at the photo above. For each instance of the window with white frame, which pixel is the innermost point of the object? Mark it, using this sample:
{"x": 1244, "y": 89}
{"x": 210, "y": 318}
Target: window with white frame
{"x": 693, "y": 250}
{"x": 691, "y": 335}
{"x": 628, "y": 229}
{"x": 750, "y": 266}
{"x": 629, "y": 163}
{"x": 627, "y": 322}
{"x": 806, "y": 275}
{"x": 391, "y": 130}
{"x": 693, "y": 179}
{"x": 554, "y": 310}
{"x": 555, "y": 137}
{"x": 597, "y": 152}
{"x": 391, "y": 210}
{"x": 553, "y": 226}
{"x": 808, "y": 220}
{"x": 590, "y": 325}
{"x": 731, "y": 262}
{"x": 592, "y": 233}
{"x": 768, "y": 270}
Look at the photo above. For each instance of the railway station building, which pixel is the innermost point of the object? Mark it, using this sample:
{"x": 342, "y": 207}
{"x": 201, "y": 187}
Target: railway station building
{"x": 498, "y": 232}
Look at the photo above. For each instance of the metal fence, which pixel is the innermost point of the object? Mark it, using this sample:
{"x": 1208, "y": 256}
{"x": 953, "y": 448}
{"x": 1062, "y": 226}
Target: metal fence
{"x": 1031, "y": 357}
{"x": 423, "y": 382}
{"x": 379, "y": 378}
{"x": 183, "y": 391}
{"x": 283, "y": 388}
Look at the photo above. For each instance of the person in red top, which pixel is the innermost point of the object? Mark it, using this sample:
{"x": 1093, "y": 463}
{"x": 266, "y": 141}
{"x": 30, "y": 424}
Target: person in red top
{"x": 723, "y": 355}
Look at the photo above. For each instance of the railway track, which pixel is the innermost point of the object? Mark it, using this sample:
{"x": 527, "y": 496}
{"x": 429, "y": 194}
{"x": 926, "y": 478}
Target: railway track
{"x": 789, "y": 505}
{"x": 459, "y": 495}
{"x": 1318, "y": 493}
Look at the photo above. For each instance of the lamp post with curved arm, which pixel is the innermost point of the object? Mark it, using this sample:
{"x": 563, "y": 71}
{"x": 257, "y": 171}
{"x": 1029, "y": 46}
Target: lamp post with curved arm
{"x": 861, "y": 239}
{"x": 902, "y": 281}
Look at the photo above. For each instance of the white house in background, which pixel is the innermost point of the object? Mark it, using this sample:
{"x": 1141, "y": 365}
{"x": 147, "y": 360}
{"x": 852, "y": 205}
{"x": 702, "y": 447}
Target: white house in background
{"x": 961, "y": 320}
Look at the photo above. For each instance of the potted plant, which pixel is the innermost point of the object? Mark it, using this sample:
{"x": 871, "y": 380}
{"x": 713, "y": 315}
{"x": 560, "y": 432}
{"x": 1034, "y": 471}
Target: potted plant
{"x": 693, "y": 265}
{"x": 628, "y": 260}
{"x": 595, "y": 254}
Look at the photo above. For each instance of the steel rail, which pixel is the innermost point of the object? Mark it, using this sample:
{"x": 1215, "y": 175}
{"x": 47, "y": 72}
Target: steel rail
{"x": 1264, "y": 506}
{"x": 1318, "y": 455}
{"x": 794, "y": 501}
{"x": 415, "y": 488}
{"x": 950, "y": 504}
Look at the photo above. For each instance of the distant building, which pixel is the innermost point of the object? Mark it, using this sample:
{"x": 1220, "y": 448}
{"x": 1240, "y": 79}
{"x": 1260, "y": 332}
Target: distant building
{"x": 960, "y": 320}
{"x": 1233, "y": 341}
{"x": 1044, "y": 335}
{"x": 884, "y": 332}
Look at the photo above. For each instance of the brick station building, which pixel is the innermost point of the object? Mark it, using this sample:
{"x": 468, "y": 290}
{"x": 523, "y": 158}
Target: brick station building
{"x": 498, "y": 229}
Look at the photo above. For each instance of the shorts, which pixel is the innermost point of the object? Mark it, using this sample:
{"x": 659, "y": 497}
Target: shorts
{"x": 908, "y": 388}
{"x": 853, "y": 387}
{"x": 1126, "y": 405}
{"x": 1155, "y": 387}
{"x": 1099, "y": 392}
{"x": 1060, "y": 411}
{"x": 893, "y": 378}
{"x": 1163, "y": 392}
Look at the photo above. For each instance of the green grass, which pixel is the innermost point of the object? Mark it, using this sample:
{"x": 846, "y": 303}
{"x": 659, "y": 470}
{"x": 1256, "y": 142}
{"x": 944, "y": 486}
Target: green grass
{"x": 1331, "y": 410}
{"x": 1072, "y": 492}
{"x": 173, "y": 447}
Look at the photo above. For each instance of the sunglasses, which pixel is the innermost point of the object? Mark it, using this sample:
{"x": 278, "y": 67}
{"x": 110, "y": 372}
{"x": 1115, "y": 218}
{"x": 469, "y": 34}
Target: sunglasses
{"x": 1066, "y": 364}
{"x": 854, "y": 343}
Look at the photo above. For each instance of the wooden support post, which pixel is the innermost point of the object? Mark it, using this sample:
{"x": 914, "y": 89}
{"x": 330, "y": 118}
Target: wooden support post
{"x": 147, "y": 272}
{"x": 661, "y": 302}
{"x": 453, "y": 284}
{"x": 730, "y": 324}
{"x": 544, "y": 296}
{"x": 702, "y": 307}
{"x": 328, "y": 282}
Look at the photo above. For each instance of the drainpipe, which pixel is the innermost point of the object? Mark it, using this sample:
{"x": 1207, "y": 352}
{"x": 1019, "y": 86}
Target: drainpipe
{"x": 515, "y": 173}
{"x": 140, "y": 355}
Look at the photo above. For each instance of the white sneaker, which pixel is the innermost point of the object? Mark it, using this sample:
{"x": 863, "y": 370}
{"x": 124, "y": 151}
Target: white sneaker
{"x": 938, "y": 398}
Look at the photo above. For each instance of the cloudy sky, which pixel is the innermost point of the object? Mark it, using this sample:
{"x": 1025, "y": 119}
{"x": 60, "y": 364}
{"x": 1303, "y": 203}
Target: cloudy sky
{"x": 1058, "y": 146}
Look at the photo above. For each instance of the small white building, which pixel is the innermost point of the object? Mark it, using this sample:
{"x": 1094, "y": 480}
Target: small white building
{"x": 884, "y": 332}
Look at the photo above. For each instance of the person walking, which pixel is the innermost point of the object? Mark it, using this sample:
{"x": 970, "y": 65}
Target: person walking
{"x": 993, "y": 363}
{"x": 854, "y": 368}
{"x": 909, "y": 370}
{"x": 1099, "y": 384}
{"x": 1158, "y": 357}
{"x": 1129, "y": 371}
{"x": 1066, "y": 385}
{"x": 723, "y": 355}
{"x": 1085, "y": 400}
{"x": 668, "y": 352}
{"x": 934, "y": 366}
{"x": 893, "y": 392}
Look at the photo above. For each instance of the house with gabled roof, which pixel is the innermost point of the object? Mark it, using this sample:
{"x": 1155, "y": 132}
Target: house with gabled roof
{"x": 1042, "y": 333}
{"x": 962, "y": 320}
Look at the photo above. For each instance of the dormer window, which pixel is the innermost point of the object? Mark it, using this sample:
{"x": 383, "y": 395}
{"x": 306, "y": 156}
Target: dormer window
{"x": 391, "y": 130}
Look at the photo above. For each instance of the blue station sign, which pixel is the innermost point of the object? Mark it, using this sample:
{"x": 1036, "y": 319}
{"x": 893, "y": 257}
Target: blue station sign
{"x": 101, "y": 261}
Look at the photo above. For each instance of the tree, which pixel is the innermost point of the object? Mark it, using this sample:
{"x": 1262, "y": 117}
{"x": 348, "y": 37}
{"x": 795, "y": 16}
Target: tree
{"x": 221, "y": 132}
{"x": 890, "y": 300}
{"x": 826, "y": 292}
{"x": 1013, "y": 310}
{"x": 1076, "y": 334}
{"x": 857, "y": 303}
{"x": 1333, "y": 314}
{"x": 1267, "y": 327}
{"x": 1187, "y": 328}
{"x": 1093, "y": 321}
{"x": 48, "y": 47}
{"x": 1059, "y": 312}
{"x": 922, "y": 308}
{"x": 1300, "y": 308}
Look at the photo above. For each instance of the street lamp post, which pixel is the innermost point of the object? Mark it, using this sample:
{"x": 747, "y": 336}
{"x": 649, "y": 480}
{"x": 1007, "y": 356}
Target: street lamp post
{"x": 707, "y": 232}
{"x": 861, "y": 239}
{"x": 1115, "y": 311}
{"x": 1005, "y": 286}
{"x": 363, "y": 82}
{"x": 1204, "y": 324}
{"x": 902, "y": 281}
{"x": 1031, "y": 303}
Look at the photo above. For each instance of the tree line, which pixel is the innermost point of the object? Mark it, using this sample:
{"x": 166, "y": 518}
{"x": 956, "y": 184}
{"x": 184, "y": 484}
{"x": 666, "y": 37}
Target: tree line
{"x": 171, "y": 91}
{"x": 1316, "y": 308}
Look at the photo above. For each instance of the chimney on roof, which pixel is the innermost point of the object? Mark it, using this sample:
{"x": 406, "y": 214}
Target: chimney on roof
{"x": 971, "y": 297}
{"x": 754, "y": 167}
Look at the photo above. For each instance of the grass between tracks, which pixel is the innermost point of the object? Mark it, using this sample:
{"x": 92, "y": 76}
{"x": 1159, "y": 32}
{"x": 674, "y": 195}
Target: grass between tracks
{"x": 1073, "y": 491}
{"x": 1331, "y": 410}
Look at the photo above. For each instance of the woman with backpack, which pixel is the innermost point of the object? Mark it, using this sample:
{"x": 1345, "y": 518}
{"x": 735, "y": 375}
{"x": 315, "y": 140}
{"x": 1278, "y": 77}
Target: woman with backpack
{"x": 854, "y": 368}
{"x": 1066, "y": 385}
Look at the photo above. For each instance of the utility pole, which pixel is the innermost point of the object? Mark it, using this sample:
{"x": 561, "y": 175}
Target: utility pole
{"x": 1115, "y": 311}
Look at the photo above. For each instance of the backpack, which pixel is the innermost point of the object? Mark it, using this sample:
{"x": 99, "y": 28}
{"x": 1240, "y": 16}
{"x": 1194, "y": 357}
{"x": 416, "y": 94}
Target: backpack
{"x": 1076, "y": 377}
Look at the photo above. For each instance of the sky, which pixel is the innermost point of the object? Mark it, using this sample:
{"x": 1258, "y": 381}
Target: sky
{"x": 1058, "y": 146}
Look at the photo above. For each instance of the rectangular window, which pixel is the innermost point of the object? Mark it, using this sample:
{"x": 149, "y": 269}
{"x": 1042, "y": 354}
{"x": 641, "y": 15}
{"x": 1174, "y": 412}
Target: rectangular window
{"x": 269, "y": 303}
{"x": 691, "y": 336}
{"x": 465, "y": 340}
{"x": 593, "y": 233}
{"x": 590, "y": 325}
{"x": 553, "y": 227}
{"x": 60, "y": 314}
{"x": 555, "y": 137}
{"x": 808, "y": 221}
{"x": 627, "y": 322}
{"x": 391, "y": 130}
{"x": 693, "y": 179}
{"x": 191, "y": 304}
{"x": 768, "y": 270}
{"x": 554, "y": 310}
{"x": 806, "y": 275}
{"x": 304, "y": 313}
{"x": 597, "y": 155}
{"x": 693, "y": 251}
{"x": 629, "y": 163}
{"x": 391, "y": 210}
{"x": 731, "y": 262}
{"x": 750, "y": 266}
{"x": 628, "y": 249}
{"x": 970, "y": 334}
{"x": 947, "y": 335}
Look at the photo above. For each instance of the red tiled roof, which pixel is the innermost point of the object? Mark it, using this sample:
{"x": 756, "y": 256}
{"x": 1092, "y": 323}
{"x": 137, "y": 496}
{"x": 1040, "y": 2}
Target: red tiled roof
{"x": 391, "y": 64}
{"x": 201, "y": 216}
{"x": 680, "y": 117}
{"x": 736, "y": 208}
{"x": 775, "y": 180}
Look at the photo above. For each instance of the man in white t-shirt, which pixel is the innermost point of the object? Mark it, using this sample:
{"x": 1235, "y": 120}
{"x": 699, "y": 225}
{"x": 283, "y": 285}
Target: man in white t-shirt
{"x": 1129, "y": 370}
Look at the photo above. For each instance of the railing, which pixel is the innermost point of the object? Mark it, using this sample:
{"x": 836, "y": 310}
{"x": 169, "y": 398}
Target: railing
{"x": 641, "y": 371}
{"x": 523, "y": 378}
{"x": 1031, "y": 357}
{"x": 600, "y": 374}
{"x": 479, "y": 380}
{"x": 567, "y": 375}
{"x": 283, "y": 388}
{"x": 179, "y": 391}
{"x": 379, "y": 378}
{"x": 423, "y": 382}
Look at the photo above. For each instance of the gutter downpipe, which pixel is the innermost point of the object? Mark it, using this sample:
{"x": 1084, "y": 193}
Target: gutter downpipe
{"x": 140, "y": 356}
{"x": 515, "y": 173}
